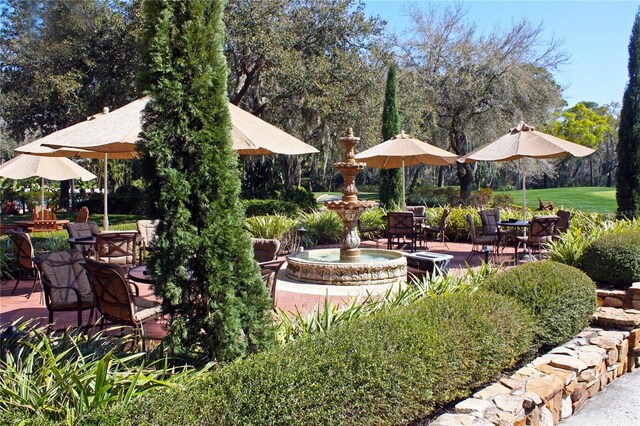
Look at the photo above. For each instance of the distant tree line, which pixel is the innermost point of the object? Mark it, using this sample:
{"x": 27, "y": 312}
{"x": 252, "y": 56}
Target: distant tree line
{"x": 314, "y": 68}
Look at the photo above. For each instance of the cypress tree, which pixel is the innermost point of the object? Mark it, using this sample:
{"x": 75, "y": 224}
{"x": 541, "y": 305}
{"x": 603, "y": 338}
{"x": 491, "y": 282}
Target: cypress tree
{"x": 390, "y": 188}
{"x": 203, "y": 261}
{"x": 628, "y": 173}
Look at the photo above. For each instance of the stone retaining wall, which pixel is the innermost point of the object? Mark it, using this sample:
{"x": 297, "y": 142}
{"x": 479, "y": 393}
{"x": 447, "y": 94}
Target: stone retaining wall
{"x": 555, "y": 385}
{"x": 629, "y": 299}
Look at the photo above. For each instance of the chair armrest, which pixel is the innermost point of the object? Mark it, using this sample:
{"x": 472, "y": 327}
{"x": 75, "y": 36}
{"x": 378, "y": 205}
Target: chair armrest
{"x": 75, "y": 290}
{"x": 136, "y": 289}
{"x": 273, "y": 265}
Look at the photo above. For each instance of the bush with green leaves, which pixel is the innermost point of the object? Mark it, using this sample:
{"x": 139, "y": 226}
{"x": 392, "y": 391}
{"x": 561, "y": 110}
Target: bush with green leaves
{"x": 614, "y": 259}
{"x": 323, "y": 227}
{"x": 270, "y": 207}
{"x": 50, "y": 377}
{"x": 391, "y": 368}
{"x": 561, "y": 298}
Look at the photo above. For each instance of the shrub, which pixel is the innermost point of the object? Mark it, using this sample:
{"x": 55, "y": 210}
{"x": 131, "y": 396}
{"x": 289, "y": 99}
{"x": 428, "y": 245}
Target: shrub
{"x": 270, "y": 207}
{"x": 561, "y": 298}
{"x": 373, "y": 217}
{"x": 613, "y": 259}
{"x": 323, "y": 226}
{"x": 457, "y": 228}
{"x": 390, "y": 368}
{"x": 304, "y": 199}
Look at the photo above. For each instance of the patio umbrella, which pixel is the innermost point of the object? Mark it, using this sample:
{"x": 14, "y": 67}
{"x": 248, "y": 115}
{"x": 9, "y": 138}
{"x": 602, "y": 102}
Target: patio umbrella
{"x": 113, "y": 135}
{"x": 403, "y": 150}
{"x": 53, "y": 168}
{"x": 524, "y": 141}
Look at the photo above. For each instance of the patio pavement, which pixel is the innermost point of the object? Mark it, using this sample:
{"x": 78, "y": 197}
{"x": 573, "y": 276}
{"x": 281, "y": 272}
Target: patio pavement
{"x": 13, "y": 307}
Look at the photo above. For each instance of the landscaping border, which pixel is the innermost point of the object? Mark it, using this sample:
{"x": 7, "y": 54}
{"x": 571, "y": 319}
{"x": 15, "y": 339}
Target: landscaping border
{"x": 556, "y": 384}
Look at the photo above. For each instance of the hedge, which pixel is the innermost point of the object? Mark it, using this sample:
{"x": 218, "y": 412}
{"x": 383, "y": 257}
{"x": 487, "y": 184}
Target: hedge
{"x": 391, "y": 368}
{"x": 561, "y": 298}
{"x": 613, "y": 259}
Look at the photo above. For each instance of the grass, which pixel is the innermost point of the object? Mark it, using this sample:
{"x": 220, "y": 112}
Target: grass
{"x": 361, "y": 196}
{"x": 588, "y": 199}
{"x": 114, "y": 219}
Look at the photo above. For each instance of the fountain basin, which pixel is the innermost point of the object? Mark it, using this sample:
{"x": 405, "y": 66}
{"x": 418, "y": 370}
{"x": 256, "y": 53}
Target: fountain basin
{"x": 323, "y": 266}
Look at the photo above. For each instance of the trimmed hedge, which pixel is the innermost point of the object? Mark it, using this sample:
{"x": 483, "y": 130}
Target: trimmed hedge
{"x": 613, "y": 259}
{"x": 391, "y": 368}
{"x": 561, "y": 298}
{"x": 270, "y": 207}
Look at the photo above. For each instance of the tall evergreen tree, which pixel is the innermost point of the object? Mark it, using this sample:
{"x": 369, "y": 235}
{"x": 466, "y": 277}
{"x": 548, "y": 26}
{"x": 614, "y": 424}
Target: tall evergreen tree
{"x": 390, "y": 188}
{"x": 203, "y": 262}
{"x": 628, "y": 174}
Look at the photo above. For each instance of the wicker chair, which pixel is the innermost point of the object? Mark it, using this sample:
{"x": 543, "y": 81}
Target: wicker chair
{"x": 438, "y": 231}
{"x": 65, "y": 282}
{"x": 541, "y": 232}
{"x": 23, "y": 251}
{"x": 490, "y": 219}
{"x": 147, "y": 231}
{"x": 115, "y": 301}
{"x": 83, "y": 230}
{"x": 564, "y": 220}
{"x": 265, "y": 251}
{"x": 83, "y": 215}
{"x": 117, "y": 247}
{"x": 477, "y": 242}
{"x": 400, "y": 227}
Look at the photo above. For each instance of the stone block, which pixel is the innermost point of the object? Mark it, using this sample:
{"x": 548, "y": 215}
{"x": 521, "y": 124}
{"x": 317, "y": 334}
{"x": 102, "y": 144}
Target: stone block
{"x": 566, "y": 375}
{"x": 563, "y": 350}
{"x": 631, "y": 363}
{"x": 587, "y": 375}
{"x": 623, "y": 350}
{"x": 612, "y": 357}
{"x": 533, "y": 417}
{"x": 634, "y": 338}
{"x": 531, "y": 399}
{"x": 604, "y": 342}
{"x": 499, "y": 417}
{"x": 526, "y": 373}
{"x": 594, "y": 387}
{"x": 579, "y": 392}
{"x": 513, "y": 383}
{"x": 591, "y": 358}
{"x": 472, "y": 405}
{"x": 490, "y": 391}
{"x": 509, "y": 403}
{"x": 634, "y": 289}
{"x": 545, "y": 387}
{"x": 635, "y": 303}
{"x": 459, "y": 420}
{"x": 555, "y": 406}
{"x": 546, "y": 417}
{"x": 579, "y": 403}
{"x": 594, "y": 348}
{"x": 568, "y": 363}
{"x": 567, "y": 407}
{"x": 612, "y": 302}
{"x": 622, "y": 369}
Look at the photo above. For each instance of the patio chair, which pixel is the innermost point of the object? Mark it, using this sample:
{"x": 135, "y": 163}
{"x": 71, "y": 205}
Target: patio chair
{"x": 23, "y": 251}
{"x": 490, "y": 219}
{"x": 83, "y": 230}
{"x": 265, "y": 251}
{"x": 147, "y": 231}
{"x": 541, "y": 231}
{"x": 564, "y": 220}
{"x": 419, "y": 215}
{"x": 116, "y": 303}
{"x": 438, "y": 231}
{"x": 83, "y": 215}
{"x": 117, "y": 247}
{"x": 400, "y": 227}
{"x": 478, "y": 242}
{"x": 65, "y": 282}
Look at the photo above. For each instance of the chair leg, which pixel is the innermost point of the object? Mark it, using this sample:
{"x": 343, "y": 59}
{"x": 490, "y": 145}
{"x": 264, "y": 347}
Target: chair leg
{"x": 16, "y": 286}
{"x": 36, "y": 279}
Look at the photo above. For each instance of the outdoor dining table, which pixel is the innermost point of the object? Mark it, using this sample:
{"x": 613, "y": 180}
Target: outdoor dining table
{"x": 140, "y": 274}
{"x": 515, "y": 225}
{"x": 28, "y": 224}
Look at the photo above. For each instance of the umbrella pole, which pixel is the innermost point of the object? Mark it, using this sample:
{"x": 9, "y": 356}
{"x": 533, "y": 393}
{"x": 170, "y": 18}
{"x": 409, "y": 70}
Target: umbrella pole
{"x": 105, "y": 219}
{"x": 404, "y": 203}
{"x": 524, "y": 189}
{"x": 42, "y": 195}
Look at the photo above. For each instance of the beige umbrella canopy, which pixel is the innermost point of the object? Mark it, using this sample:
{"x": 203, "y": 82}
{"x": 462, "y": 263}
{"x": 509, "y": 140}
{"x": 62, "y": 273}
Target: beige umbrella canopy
{"x": 53, "y": 168}
{"x": 524, "y": 141}
{"x": 403, "y": 150}
{"x": 113, "y": 135}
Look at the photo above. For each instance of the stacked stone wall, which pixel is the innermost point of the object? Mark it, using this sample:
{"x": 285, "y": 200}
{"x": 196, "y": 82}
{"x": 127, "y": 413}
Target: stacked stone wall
{"x": 558, "y": 383}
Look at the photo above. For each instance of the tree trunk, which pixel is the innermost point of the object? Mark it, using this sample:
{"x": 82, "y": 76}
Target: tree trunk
{"x": 64, "y": 195}
{"x": 591, "y": 170}
{"x": 440, "y": 177}
{"x": 458, "y": 142}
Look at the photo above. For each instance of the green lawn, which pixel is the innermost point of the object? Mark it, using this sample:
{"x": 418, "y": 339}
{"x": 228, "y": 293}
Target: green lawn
{"x": 590, "y": 199}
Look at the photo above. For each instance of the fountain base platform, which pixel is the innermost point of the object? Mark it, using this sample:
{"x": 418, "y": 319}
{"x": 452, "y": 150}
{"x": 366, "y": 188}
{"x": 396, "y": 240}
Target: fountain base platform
{"x": 323, "y": 266}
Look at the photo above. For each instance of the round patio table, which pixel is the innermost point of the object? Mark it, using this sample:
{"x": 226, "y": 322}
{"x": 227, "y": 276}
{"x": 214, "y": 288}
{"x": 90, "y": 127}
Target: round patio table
{"x": 516, "y": 224}
{"x": 140, "y": 274}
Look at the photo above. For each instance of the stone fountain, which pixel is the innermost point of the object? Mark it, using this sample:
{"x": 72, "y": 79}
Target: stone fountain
{"x": 350, "y": 265}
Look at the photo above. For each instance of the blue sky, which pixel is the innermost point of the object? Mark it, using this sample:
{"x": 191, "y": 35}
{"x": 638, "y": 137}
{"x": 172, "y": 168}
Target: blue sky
{"x": 595, "y": 34}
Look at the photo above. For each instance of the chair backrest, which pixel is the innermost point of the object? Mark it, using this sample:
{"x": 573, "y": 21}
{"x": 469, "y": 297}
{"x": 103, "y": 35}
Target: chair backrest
{"x": 489, "y": 221}
{"x": 23, "y": 249}
{"x": 443, "y": 219}
{"x": 542, "y": 227}
{"x": 147, "y": 230}
{"x": 417, "y": 210}
{"x": 83, "y": 229}
{"x": 60, "y": 273}
{"x": 564, "y": 220}
{"x": 265, "y": 250}
{"x": 82, "y": 215}
{"x": 45, "y": 214}
{"x": 472, "y": 227}
{"x": 400, "y": 223}
{"x": 117, "y": 247}
{"x": 112, "y": 293}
